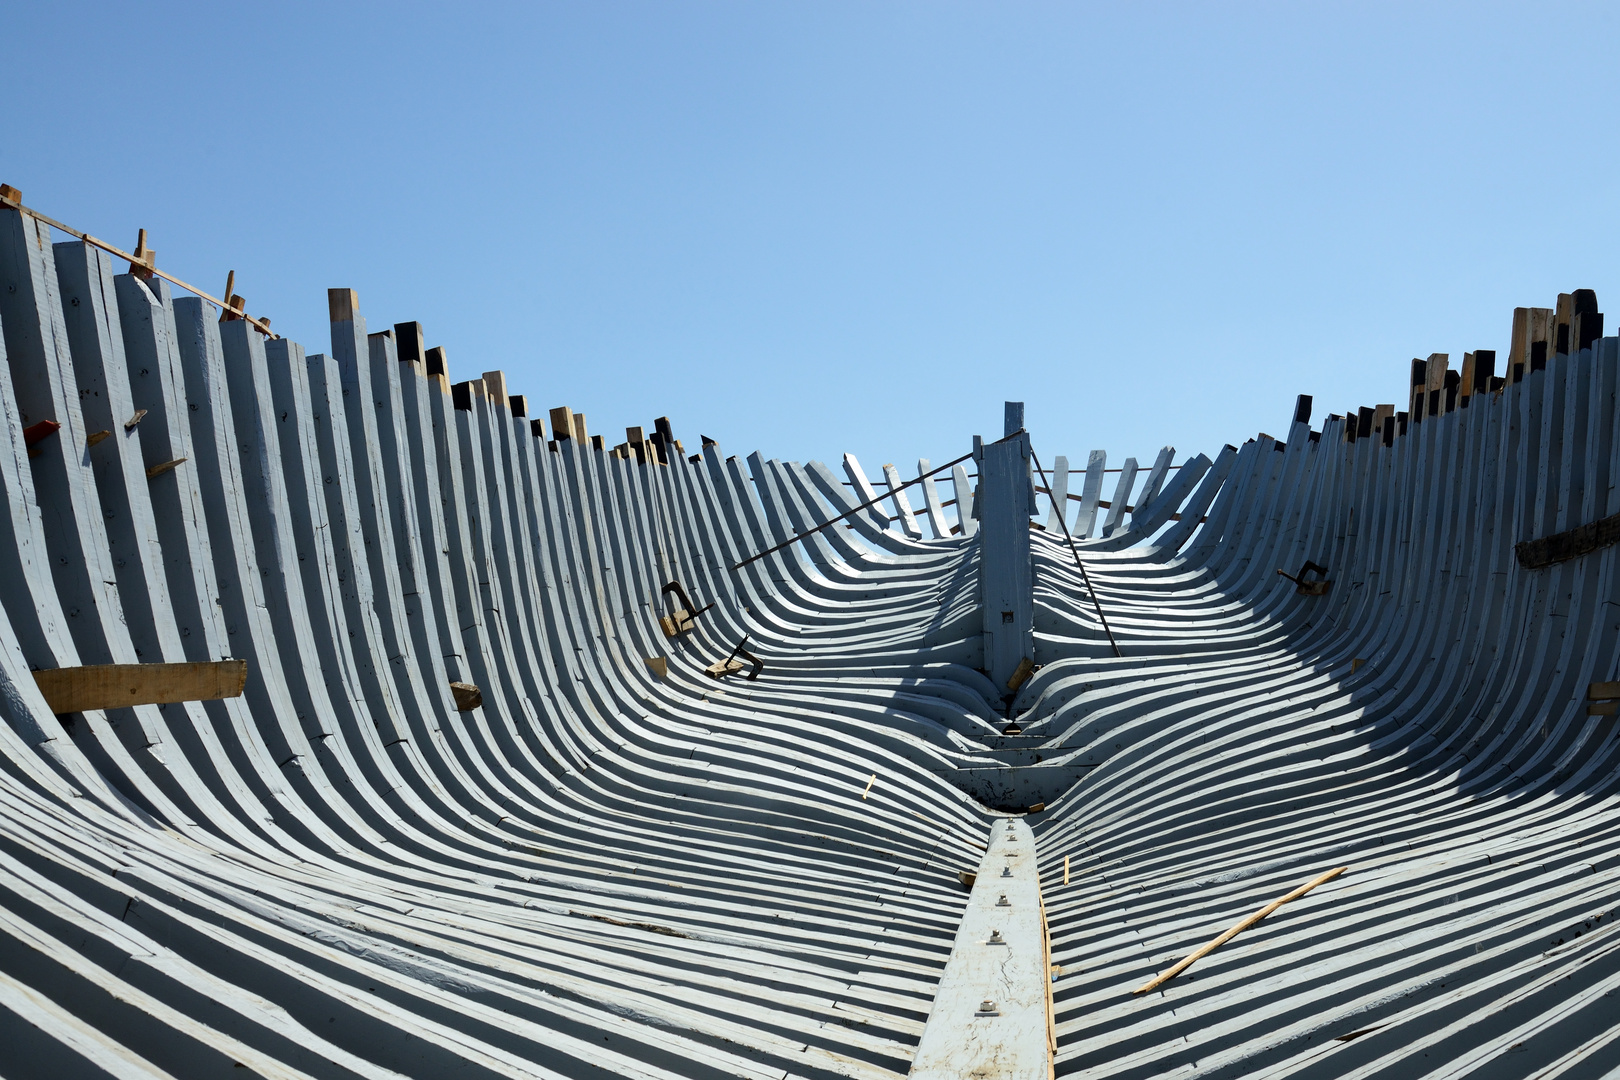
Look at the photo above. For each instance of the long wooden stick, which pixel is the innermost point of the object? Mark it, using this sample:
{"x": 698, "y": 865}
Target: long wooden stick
{"x": 223, "y": 305}
{"x": 1236, "y": 930}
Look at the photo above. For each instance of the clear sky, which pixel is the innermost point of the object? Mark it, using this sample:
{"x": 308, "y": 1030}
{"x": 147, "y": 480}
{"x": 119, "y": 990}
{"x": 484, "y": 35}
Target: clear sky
{"x": 806, "y": 228}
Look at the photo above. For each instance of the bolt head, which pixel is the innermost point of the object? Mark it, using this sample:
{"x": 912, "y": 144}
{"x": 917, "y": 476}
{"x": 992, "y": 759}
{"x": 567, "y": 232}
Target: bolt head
{"x": 1006, "y": 871}
{"x": 1003, "y": 902}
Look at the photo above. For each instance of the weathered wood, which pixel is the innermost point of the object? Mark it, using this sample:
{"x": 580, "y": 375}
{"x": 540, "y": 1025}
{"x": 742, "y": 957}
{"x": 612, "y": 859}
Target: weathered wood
{"x": 1006, "y": 574}
{"x": 1090, "y": 495}
{"x": 989, "y": 1017}
{"x": 1057, "y": 494}
{"x": 1569, "y": 544}
{"x": 931, "y": 502}
{"x": 118, "y": 686}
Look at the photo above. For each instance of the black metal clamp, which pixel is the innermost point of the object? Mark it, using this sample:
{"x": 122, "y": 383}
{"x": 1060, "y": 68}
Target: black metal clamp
{"x": 1303, "y": 587}
{"x": 682, "y": 618}
{"x": 731, "y": 665}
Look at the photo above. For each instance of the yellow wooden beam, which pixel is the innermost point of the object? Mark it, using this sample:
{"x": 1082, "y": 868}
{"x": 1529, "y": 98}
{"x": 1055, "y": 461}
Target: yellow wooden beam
{"x": 117, "y": 686}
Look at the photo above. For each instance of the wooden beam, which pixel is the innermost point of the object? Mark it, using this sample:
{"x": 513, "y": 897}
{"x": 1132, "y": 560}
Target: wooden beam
{"x": 118, "y": 686}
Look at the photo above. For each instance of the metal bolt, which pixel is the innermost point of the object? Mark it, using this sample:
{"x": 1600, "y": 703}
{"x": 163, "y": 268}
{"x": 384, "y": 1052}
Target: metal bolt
{"x": 988, "y": 1008}
{"x": 996, "y": 938}
{"x": 1006, "y": 871}
{"x": 1003, "y": 902}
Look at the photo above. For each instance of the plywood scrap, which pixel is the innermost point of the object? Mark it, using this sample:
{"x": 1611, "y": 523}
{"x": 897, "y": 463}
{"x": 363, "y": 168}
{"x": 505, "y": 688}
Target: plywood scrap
{"x": 1198, "y": 954}
{"x": 118, "y": 686}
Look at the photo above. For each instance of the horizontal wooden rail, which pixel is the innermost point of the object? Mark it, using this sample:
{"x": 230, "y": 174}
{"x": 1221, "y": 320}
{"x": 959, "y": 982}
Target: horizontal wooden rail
{"x": 1569, "y": 544}
{"x": 118, "y": 686}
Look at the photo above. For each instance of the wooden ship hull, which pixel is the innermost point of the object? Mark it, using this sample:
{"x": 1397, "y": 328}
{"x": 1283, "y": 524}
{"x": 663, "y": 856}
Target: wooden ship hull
{"x": 358, "y": 723}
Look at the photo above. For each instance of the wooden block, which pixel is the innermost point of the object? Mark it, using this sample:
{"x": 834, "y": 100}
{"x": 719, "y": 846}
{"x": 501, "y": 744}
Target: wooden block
{"x": 408, "y": 337}
{"x": 1603, "y": 708}
{"x": 129, "y": 425}
{"x": 462, "y": 395}
{"x": 721, "y": 668}
{"x": 580, "y": 434}
{"x": 10, "y": 196}
{"x": 164, "y": 466}
{"x": 659, "y": 666}
{"x": 537, "y": 428}
{"x": 468, "y": 697}
{"x": 118, "y": 686}
{"x": 562, "y": 423}
{"x": 436, "y": 362}
{"x": 519, "y": 404}
{"x": 95, "y": 437}
{"x": 1600, "y": 690}
{"x": 1355, "y": 665}
{"x": 1563, "y": 316}
{"x": 342, "y": 305}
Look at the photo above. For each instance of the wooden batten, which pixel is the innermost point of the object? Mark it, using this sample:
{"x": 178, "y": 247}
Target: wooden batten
{"x": 519, "y": 404}
{"x": 119, "y": 686}
{"x": 537, "y": 428}
{"x": 437, "y": 364}
{"x": 495, "y": 388}
{"x": 580, "y": 434}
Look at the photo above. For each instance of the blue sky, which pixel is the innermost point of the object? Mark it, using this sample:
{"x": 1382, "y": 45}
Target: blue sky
{"x": 806, "y": 228}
